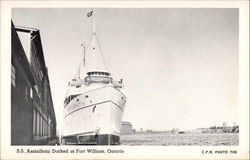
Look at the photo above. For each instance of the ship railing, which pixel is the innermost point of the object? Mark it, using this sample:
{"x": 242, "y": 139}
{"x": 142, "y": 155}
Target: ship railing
{"x": 75, "y": 82}
{"x": 98, "y": 79}
{"x": 118, "y": 84}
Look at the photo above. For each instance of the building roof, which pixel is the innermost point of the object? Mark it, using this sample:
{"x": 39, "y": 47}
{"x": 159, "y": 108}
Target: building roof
{"x": 36, "y": 40}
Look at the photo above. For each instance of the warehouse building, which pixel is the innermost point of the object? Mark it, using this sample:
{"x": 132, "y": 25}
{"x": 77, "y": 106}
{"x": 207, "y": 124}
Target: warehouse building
{"x": 126, "y": 128}
{"x": 33, "y": 120}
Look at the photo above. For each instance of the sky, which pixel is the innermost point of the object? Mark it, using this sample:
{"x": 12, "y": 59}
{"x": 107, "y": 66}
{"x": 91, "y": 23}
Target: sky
{"x": 179, "y": 66}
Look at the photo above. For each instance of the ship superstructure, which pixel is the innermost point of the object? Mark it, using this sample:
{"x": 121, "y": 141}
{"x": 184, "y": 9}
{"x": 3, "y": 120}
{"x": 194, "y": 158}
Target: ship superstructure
{"x": 93, "y": 106}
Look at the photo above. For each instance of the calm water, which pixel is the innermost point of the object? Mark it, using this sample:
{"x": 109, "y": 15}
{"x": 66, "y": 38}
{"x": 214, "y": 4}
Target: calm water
{"x": 194, "y": 139}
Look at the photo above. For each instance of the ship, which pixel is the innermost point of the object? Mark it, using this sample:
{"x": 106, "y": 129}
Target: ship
{"x": 93, "y": 105}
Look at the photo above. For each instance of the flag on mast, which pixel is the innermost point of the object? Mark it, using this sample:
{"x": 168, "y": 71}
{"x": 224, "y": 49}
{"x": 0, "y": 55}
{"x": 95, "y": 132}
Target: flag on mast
{"x": 90, "y": 14}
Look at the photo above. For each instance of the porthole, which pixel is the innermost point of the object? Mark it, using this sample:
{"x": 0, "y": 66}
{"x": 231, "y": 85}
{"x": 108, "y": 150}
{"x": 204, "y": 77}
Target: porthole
{"x": 86, "y": 96}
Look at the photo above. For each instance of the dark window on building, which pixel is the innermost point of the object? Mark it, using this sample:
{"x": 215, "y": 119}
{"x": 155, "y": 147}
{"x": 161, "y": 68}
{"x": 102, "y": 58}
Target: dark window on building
{"x": 31, "y": 93}
{"x": 45, "y": 93}
{"x": 41, "y": 124}
{"x": 43, "y": 127}
{"x": 34, "y": 122}
{"x": 37, "y": 123}
{"x": 26, "y": 92}
{"x": 41, "y": 74}
{"x": 36, "y": 88}
{"x": 46, "y": 128}
{"x": 44, "y": 124}
{"x": 13, "y": 75}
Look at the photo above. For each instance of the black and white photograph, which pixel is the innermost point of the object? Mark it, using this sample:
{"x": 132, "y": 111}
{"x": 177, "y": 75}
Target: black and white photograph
{"x": 124, "y": 77}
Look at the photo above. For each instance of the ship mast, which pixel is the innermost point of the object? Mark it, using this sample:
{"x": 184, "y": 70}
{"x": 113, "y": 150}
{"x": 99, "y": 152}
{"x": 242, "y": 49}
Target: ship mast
{"x": 84, "y": 54}
{"x": 98, "y": 74}
{"x": 94, "y": 37}
{"x": 95, "y": 43}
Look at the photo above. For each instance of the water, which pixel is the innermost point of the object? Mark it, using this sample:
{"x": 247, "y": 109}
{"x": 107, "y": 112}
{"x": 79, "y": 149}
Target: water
{"x": 191, "y": 139}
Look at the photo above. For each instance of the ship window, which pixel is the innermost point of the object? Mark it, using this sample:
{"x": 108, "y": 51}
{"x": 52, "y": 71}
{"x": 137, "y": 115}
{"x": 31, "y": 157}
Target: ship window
{"x": 73, "y": 96}
{"x": 86, "y": 96}
{"x": 68, "y": 99}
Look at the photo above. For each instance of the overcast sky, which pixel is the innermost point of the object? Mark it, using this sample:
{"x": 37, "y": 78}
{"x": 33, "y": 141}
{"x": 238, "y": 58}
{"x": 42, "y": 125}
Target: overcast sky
{"x": 179, "y": 66}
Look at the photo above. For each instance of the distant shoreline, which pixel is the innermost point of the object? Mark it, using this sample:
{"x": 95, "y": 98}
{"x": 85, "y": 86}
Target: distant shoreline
{"x": 175, "y": 139}
{"x": 146, "y": 133}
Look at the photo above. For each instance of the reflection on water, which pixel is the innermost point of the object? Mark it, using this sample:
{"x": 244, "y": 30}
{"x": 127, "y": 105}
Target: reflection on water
{"x": 168, "y": 139}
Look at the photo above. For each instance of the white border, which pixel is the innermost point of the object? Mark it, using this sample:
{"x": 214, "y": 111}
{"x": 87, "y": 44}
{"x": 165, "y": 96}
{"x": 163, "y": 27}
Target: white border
{"x": 131, "y": 152}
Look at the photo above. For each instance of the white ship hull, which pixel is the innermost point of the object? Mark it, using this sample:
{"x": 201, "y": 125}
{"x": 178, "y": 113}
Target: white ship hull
{"x": 94, "y": 105}
{"x": 94, "y": 117}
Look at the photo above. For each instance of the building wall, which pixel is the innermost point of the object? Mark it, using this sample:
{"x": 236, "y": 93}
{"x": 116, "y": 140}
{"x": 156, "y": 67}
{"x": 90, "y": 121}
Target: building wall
{"x": 126, "y": 128}
{"x": 32, "y": 112}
